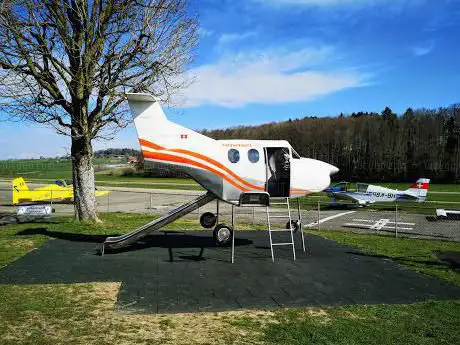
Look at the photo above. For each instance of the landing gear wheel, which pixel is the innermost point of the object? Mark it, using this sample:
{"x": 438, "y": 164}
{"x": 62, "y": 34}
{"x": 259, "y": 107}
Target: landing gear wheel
{"x": 208, "y": 220}
{"x": 295, "y": 225}
{"x": 223, "y": 235}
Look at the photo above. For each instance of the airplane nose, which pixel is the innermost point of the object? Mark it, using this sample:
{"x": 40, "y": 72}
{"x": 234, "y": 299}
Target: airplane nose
{"x": 315, "y": 173}
{"x": 333, "y": 169}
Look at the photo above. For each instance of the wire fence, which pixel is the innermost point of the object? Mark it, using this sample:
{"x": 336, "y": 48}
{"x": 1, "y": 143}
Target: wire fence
{"x": 400, "y": 219}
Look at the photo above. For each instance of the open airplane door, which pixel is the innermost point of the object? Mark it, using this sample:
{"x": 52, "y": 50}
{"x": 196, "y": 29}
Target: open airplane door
{"x": 278, "y": 168}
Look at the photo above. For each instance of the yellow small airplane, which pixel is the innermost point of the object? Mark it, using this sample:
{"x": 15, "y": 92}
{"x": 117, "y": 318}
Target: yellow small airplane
{"x": 58, "y": 191}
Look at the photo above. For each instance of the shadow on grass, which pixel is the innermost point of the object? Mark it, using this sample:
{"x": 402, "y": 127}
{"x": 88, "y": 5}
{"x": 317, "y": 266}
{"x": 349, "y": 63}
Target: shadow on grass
{"x": 67, "y": 236}
{"x": 169, "y": 239}
{"x": 441, "y": 264}
{"x": 451, "y": 258}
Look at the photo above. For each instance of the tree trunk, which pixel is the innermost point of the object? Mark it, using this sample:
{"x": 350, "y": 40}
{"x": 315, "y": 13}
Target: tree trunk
{"x": 83, "y": 179}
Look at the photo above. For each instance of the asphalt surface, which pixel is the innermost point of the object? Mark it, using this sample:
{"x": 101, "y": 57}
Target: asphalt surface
{"x": 160, "y": 201}
{"x": 185, "y": 272}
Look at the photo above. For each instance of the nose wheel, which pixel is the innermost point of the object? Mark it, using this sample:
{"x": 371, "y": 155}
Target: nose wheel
{"x": 295, "y": 224}
{"x": 208, "y": 220}
{"x": 223, "y": 235}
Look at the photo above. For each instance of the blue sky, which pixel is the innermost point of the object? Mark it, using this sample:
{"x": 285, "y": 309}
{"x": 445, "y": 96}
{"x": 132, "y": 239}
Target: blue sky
{"x": 260, "y": 61}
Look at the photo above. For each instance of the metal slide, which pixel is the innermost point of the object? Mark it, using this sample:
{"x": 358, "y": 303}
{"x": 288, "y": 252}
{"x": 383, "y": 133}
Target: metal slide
{"x": 131, "y": 237}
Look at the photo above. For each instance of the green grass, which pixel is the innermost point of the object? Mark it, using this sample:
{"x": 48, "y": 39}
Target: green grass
{"x": 420, "y": 323}
{"x": 36, "y": 168}
{"x": 47, "y": 168}
{"x": 86, "y": 314}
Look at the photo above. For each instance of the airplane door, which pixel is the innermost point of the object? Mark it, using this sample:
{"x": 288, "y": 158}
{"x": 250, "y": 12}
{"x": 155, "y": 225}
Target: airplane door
{"x": 278, "y": 169}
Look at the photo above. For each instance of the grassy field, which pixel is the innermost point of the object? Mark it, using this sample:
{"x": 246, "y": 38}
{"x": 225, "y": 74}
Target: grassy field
{"x": 49, "y": 170}
{"x": 86, "y": 313}
{"x": 36, "y": 168}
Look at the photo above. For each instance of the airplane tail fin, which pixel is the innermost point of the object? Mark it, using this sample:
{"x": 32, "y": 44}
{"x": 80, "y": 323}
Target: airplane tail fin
{"x": 420, "y": 189}
{"x": 154, "y": 130}
{"x": 150, "y": 121}
{"x": 19, "y": 185}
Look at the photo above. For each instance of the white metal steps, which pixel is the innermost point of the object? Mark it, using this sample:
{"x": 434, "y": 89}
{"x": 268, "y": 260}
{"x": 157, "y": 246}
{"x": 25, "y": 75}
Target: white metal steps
{"x": 290, "y": 229}
{"x": 274, "y": 213}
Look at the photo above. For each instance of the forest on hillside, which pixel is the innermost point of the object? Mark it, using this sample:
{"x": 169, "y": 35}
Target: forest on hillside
{"x": 372, "y": 146}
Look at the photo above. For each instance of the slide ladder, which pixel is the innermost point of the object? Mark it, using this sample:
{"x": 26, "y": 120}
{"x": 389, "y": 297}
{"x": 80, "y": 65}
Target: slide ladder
{"x": 117, "y": 242}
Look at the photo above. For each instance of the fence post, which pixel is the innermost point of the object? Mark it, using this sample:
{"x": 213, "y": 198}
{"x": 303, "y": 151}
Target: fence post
{"x": 318, "y": 215}
{"x": 108, "y": 202}
{"x": 396, "y": 219}
{"x": 150, "y": 196}
{"x": 253, "y": 214}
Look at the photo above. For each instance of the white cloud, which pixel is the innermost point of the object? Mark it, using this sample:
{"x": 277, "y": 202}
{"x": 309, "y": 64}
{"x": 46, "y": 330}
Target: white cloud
{"x": 269, "y": 78}
{"x": 423, "y": 48}
{"x": 232, "y": 37}
{"x": 203, "y": 32}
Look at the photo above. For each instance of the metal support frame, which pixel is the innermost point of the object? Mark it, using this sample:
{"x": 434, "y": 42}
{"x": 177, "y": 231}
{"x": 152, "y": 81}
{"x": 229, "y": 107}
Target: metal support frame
{"x": 270, "y": 233}
{"x": 319, "y": 216}
{"x": 299, "y": 213}
{"x": 291, "y": 229}
{"x": 233, "y": 234}
{"x": 396, "y": 219}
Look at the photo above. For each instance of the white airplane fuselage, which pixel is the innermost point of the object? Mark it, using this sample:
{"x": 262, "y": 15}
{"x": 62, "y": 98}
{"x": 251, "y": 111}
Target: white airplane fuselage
{"x": 227, "y": 168}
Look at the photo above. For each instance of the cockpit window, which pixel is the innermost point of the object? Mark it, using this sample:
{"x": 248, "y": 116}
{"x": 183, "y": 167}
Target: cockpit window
{"x": 253, "y": 155}
{"x": 295, "y": 155}
{"x": 233, "y": 155}
{"x": 60, "y": 183}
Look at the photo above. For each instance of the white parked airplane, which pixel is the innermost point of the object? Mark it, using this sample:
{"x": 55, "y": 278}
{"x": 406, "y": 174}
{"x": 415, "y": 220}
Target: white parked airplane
{"x": 366, "y": 194}
{"x": 234, "y": 171}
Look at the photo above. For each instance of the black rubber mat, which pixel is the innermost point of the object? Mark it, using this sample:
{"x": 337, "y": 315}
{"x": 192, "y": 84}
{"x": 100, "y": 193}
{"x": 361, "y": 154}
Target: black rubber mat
{"x": 185, "y": 272}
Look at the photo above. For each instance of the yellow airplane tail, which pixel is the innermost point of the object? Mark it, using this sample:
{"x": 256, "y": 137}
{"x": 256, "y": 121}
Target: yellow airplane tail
{"x": 19, "y": 185}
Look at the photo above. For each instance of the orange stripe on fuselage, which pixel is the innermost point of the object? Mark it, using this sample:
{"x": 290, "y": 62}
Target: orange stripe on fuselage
{"x": 151, "y": 145}
{"x": 146, "y": 143}
{"x": 183, "y": 160}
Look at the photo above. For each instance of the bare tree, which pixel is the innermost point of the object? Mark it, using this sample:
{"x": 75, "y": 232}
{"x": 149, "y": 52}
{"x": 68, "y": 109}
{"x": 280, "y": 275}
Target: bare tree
{"x": 68, "y": 63}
